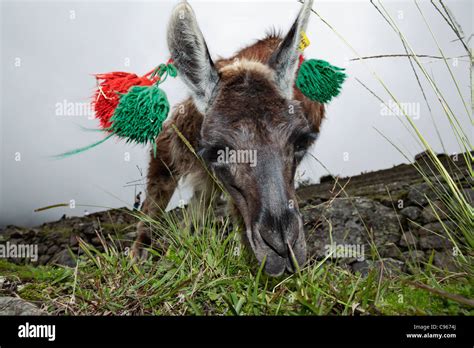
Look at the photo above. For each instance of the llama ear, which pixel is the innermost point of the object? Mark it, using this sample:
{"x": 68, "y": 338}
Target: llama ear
{"x": 191, "y": 56}
{"x": 286, "y": 57}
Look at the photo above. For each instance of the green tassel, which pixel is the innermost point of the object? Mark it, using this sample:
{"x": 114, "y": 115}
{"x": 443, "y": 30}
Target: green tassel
{"x": 138, "y": 118}
{"x": 140, "y": 114}
{"x": 82, "y": 149}
{"x": 319, "y": 80}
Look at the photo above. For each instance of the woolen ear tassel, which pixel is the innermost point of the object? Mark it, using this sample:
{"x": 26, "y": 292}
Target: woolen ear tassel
{"x": 320, "y": 81}
{"x": 131, "y": 107}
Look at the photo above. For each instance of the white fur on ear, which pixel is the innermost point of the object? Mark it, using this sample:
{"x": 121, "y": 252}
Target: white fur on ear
{"x": 285, "y": 59}
{"x": 191, "y": 56}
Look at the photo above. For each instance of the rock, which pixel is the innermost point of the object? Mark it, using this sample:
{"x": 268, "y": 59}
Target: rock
{"x": 414, "y": 256}
{"x": 12, "y": 232}
{"x": 418, "y": 194}
{"x": 388, "y": 266}
{"x": 444, "y": 260}
{"x": 2, "y": 281}
{"x": 408, "y": 239}
{"x": 56, "y": 235}
{"x": 436, "y": 228}
{"x": 43, "y": 259}
{"x": 15, "y": 241}
{"x": 311, "y": 201}
{"x": 18, "y": 306}
{"x": 31, "y": 233}
{"x": 390, "y": 250}
{"x": 64, "y": 258}
{"x": 309, "y": 215}
{"x": 428, "y": 215}
{"x": 362, "y": 267}
{"x": 42, "y": 248}
{"x": 73, "y": 241}
{"x": 96, "y": 241}
{"x": 88, "y": 228}
{"x": 433, "y": 241}
{"x": 52, "y": 249}
{"x": 350, "y": 222}
{"x": 411, "y": 212}
{"x": 414, "y": 226}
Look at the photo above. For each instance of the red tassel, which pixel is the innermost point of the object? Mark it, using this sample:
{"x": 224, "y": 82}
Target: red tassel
{"x": 107, "y": 96}
{"x": 300, "y": 60}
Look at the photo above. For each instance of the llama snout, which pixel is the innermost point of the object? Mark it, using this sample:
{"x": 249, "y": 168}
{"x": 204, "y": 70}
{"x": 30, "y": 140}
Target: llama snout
{"x": 278, "y": 239}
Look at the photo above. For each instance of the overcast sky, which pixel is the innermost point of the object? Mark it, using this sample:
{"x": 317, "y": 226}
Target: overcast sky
{"x": 49, "y": 49}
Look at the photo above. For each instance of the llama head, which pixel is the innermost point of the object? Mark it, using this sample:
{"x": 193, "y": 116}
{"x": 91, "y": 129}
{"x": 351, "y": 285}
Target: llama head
{"x": 253, "y": 134}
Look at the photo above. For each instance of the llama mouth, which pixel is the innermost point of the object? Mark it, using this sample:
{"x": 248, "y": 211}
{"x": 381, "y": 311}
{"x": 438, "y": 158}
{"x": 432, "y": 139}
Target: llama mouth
{"x": 275, "y": 264}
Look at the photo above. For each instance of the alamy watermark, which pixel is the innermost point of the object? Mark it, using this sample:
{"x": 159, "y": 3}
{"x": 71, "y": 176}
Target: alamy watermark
{"x": 19, "y": 251}
{"x": 28, "y": 330}
{"x": 69, "y": 108}
{"x": 410, "y": 109}
{"x": 237, "y": 156}
{"x": 341, "y": 251}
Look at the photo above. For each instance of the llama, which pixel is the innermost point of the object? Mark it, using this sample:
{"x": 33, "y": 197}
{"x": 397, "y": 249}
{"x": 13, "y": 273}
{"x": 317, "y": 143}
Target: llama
{"x": 247, "y": 102}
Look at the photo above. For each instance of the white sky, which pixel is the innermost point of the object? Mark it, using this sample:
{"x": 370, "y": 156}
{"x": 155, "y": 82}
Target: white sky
{"x": 49, "y": 49}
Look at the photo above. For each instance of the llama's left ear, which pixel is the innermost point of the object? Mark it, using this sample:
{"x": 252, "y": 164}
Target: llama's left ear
{"x": 284, "y": 61}
{"x": 190, "y": 55}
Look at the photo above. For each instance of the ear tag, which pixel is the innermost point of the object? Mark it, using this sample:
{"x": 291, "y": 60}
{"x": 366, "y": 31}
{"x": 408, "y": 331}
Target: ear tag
{"x": 304, "y": 42}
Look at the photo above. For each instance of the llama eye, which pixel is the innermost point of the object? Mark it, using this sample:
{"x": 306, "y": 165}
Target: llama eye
{"x": 301, "y": 146}
{"x": 303, "y": 142}
{"x": 213, "y": 155}
{"x": 299, "y": 153}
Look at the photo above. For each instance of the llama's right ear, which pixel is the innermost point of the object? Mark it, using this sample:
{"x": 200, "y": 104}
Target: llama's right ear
{"x": 286, "y": 57}
{"x": 191, "y": 56}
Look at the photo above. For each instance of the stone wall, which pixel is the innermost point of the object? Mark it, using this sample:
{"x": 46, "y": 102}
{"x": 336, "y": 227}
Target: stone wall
{"x": 387, "y": 209}
{"x": 58, "y": 241}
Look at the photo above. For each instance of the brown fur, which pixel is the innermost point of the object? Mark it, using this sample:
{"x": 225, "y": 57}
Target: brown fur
{"x": 175, "y": 160}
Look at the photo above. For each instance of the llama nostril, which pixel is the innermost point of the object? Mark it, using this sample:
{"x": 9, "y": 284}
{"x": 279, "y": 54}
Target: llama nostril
{"x": 275, "y": 242}
{"x": 279, "y": 230}
{"x": 280, "y": 242}
{"x": 291, "y": 237}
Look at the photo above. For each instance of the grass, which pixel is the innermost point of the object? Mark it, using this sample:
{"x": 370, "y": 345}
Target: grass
{"x": 447, "y": 188}
{"x": 207, "y": 272}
